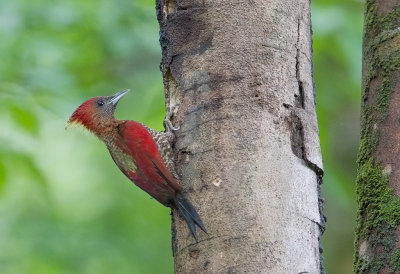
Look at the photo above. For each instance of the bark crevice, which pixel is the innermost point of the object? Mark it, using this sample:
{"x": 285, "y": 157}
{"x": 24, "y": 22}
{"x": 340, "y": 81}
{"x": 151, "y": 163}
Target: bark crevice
{"x": 299, "y": 98}
{"x": 298, "y": 143}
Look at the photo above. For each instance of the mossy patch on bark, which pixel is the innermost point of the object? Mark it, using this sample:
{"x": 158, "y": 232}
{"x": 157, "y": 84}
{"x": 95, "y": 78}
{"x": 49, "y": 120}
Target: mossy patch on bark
{"x": 395, "y": 260}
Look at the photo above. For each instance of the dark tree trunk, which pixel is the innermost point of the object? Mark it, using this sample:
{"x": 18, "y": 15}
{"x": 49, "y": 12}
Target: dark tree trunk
{"x": 378, "y": 180}
{"x": 248, "y": 148}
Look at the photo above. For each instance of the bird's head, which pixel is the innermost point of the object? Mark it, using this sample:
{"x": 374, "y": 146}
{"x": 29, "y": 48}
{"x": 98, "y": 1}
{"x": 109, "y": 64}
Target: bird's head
{"x": 96, "y": 112}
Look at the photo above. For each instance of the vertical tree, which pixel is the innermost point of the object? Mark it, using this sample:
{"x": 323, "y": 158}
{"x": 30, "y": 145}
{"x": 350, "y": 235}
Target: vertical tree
{"x": 248, "y": 148}
{"x": 378, "y": 179}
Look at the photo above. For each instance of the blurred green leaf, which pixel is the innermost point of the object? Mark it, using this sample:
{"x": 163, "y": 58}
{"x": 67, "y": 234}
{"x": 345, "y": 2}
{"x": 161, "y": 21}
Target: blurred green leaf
{"x": 2, "y": 176}
{"x": 25, "y": 118}
{"x": 65, "y": 207}
{"x": 337, "y": 28}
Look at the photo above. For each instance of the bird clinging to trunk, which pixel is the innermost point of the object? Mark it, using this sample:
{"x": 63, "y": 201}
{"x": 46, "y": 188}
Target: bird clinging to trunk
{"x": 141, "y": 153}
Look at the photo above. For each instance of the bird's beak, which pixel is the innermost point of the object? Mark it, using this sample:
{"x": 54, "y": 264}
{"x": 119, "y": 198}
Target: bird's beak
{"x": 117, "y": 96}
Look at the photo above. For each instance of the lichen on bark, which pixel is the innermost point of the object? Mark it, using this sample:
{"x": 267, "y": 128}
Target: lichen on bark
{"x": 378, "y": 215}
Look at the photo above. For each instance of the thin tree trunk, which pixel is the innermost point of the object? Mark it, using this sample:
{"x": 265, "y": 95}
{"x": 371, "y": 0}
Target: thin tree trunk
{"x": 378, "y": 180}
{"x": 248, "y": 148}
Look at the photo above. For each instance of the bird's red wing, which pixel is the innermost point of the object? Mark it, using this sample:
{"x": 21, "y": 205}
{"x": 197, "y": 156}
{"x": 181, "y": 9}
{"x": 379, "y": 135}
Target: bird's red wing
{"x": 152, "y": 174}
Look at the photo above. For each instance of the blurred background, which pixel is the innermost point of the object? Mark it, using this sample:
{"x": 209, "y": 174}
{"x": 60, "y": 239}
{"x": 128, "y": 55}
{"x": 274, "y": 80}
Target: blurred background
{"x": 64, "y": 206}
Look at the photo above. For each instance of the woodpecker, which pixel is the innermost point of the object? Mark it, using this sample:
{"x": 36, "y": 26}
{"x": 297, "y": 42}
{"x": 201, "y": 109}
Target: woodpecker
{"x": 144, "y": 155}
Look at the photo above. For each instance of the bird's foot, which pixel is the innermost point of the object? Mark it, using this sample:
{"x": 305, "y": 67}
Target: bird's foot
{"x": 167, "y": 121}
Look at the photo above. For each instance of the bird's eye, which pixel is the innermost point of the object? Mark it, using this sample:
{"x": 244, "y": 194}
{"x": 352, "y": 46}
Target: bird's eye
{"x": 100, "y": 102}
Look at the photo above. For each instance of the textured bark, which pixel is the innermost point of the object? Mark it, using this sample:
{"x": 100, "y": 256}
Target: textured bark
{"x": 248, "y": 148}
{"x": 378, "y": 179}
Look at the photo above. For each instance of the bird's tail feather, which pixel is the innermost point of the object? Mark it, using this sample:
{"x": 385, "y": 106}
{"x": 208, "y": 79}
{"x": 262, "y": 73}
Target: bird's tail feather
{"x": 189, "y": 213}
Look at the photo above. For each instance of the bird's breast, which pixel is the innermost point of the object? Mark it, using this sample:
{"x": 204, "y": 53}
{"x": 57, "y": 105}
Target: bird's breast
{"x": 123, "y": 160}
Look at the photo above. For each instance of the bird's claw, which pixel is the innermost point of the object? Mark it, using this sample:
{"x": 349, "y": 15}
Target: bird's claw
{"x": 167, "y": 121}
{"x": 169, "y": 127}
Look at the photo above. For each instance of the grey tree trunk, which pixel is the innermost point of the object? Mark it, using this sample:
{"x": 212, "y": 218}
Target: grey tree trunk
{"x": 378, "y": 178}
{"x": 248, "y": 148}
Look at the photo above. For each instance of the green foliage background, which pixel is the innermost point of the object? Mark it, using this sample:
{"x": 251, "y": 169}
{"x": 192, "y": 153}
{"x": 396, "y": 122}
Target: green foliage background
{"x": 64, "y": 206}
